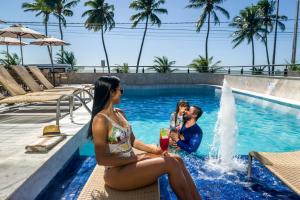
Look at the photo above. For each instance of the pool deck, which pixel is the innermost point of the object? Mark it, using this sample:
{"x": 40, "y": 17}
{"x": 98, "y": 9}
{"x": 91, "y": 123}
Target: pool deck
{"x": 23, "y": 176}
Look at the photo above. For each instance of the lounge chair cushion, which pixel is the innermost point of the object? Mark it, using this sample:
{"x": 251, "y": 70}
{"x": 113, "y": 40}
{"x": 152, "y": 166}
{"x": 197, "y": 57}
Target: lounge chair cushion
{"x": 27, "y": 78}
{"x": 40, "y": 76}
{"x": 29, "y": 99}
{"x": 9, "y": 83}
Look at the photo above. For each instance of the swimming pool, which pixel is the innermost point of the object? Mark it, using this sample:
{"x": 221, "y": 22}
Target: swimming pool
{"x": 263, "y": 126}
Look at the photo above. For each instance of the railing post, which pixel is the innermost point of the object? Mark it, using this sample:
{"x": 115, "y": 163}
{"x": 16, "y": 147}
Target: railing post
{"x": 229, "y": 71}
{"x": 285, "y": 73}
{"x": 143, "y": 70}
{"x": 242, "y": 70}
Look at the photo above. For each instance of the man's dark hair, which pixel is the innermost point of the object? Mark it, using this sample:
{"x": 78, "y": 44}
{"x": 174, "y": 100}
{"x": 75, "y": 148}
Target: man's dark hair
{"x": 198, "y": 112}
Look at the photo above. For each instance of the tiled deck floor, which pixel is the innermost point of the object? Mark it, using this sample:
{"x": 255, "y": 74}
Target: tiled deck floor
{"x": 17, "y": 129}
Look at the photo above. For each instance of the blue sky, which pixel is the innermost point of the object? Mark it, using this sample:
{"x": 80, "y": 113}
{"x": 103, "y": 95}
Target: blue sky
{"x": 179, "y": 45}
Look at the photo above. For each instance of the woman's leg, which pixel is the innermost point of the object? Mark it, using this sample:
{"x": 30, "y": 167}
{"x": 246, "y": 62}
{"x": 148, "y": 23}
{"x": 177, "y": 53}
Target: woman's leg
{"x": 188, "y": 177}
{"x": 146, "y": 172}
{"x": 190, "y": 181}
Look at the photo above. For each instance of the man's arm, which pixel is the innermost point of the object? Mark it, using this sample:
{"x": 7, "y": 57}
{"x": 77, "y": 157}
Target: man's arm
{"x": 192, "y": 144}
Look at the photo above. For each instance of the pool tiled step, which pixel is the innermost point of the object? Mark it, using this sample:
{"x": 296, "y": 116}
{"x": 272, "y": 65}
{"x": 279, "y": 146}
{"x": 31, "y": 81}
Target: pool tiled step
{"x": 95, "y": 188}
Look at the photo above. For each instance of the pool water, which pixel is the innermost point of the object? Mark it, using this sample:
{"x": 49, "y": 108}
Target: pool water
{"x": 261, "y": 128}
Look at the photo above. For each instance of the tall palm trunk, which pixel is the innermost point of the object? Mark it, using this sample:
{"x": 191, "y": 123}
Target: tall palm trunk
{"x": 141, "y": 49}
{"x": 103, "y": 43}
{"x": 267, "y": 49}
{"x": 46, "y": 27}
{"x": 61, "y": 37}
{"x": 253, "y": 53}
{"x": 207, "y": 35}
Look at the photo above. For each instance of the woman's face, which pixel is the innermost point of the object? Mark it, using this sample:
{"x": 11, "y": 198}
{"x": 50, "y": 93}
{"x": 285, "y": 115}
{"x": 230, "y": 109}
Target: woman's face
{"x": 116, "y": 95}
{"x": 182, "y": 109}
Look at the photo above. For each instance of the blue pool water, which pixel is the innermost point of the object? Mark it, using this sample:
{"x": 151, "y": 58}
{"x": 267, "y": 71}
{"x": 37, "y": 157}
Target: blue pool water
{"x": 261, "y": 128}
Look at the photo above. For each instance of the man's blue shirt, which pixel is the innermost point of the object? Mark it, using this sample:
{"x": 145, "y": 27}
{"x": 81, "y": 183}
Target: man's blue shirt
{"x": 192, "y": 138}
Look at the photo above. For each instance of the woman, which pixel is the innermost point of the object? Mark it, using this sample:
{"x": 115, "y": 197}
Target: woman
{"x": 114, "y": 139}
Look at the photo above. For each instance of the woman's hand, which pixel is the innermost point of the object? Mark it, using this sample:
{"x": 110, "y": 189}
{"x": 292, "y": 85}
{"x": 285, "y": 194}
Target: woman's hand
{"x": 157, "y": 150}
{"x": 143, "y": 156}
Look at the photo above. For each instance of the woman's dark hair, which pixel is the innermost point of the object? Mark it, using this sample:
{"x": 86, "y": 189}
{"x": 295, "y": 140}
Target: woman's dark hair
{"x": 103, "y": 86}
{"x": 180, "y": 103}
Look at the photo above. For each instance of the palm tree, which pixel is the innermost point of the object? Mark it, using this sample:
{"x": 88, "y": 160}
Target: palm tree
{"x": 268, "y": 17}
{"x": 147, "y": 11}
{"x": 69, "y": 58}
{"x": 163, "y": 65}
{"x": 209, "y": 8}
{"x": 124, "y": 68}
{"x": 42, "y": 7}
{"x": 62, "y": 9}
{"x": 10, "y": 59}
{"x": 100, "y": 17}
{"x": 249, "y": 25}
{"x": 201, "y": 64}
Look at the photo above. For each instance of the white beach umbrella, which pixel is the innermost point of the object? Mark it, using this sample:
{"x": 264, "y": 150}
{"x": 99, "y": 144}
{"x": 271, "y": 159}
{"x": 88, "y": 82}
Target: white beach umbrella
{"x": 50, "y": 41}
{"x": 19, "y": 31}
{"x": 10, "y": 42}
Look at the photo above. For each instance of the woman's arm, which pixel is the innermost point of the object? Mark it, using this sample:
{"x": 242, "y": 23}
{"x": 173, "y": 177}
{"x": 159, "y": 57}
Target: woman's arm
{"x": 100, "y": 131}
{"x": 144, "y": 147}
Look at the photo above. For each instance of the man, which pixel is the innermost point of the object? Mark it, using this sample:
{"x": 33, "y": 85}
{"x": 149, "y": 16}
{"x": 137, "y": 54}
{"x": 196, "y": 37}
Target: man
{"x": 190, "y": 134}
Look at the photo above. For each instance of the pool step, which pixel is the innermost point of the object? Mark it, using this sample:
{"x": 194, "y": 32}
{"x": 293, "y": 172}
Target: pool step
{"x": 95, "y": 188}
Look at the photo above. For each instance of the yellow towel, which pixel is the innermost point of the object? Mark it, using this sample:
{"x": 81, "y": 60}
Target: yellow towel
{"x": 44, "y": 144}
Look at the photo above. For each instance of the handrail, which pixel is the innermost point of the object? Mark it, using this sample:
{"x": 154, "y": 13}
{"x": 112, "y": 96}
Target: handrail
{"x": 271, "y": 70}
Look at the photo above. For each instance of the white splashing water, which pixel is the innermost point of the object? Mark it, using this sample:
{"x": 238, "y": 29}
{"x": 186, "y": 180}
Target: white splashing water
{"x": 222, "y": 155}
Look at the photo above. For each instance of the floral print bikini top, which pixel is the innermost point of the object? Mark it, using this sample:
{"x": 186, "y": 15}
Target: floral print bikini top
{"x": 119, "y": 139}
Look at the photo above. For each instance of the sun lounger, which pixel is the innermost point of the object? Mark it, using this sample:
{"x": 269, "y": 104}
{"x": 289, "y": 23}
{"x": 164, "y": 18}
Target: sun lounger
{"x": 19, "y": 95}
{"x": 285, "y": 166}
{"x": 29, "y": 81}
{"x": 44, "y": 144}
{"x": 42, "y": 79}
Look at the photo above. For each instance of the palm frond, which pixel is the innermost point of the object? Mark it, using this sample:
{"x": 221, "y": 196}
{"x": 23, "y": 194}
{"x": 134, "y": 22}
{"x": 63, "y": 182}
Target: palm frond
{"x": 223, "y": 11}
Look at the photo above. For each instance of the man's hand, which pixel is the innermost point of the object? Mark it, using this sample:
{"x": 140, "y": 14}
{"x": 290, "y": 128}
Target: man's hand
{"x": 178, "y": 128}
{"x": 181, "y": 137}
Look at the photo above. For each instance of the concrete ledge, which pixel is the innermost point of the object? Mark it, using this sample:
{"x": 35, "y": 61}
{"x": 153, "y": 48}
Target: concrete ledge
{"x": 150, "y": 78}
{"x": 281, "y": 87}
{"x": 32, "y": 187}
